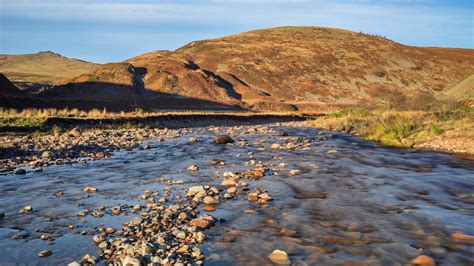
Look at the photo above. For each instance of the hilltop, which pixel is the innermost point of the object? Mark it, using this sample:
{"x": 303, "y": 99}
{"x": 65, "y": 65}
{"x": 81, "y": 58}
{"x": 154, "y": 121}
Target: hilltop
{"x": 280, "y": 69}
{"x": 42, "y": 68}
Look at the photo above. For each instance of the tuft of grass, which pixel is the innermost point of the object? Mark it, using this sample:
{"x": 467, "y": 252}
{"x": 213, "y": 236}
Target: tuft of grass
{"x": 355, "y": 111}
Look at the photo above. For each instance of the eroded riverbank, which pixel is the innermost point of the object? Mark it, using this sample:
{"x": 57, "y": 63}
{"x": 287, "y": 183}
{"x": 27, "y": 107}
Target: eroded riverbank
{"x": 336, "y": 199}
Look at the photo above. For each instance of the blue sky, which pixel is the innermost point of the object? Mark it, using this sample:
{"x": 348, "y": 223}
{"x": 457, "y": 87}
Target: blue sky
{"x": 114, "y": 30}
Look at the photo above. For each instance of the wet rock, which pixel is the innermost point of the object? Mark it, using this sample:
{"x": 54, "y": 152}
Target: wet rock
{"x": 45, "y": 253}
{"x": 279, "y": 257}
{"x": 459, "y": 237}
{"x": 254, "y": 174}
{"x": 294, "y": 172}
{"x": 423, "y": 260}
{"x": 19, "y": 171}
{"x": 211, "y": 201}
{"x": 208, "y": 208}
{"x": 275, "y": 146}
{"x": 90, "y": 189}
{"x": 287, "y": 232}
{"x": 201, "y": 222}
{"x": 223, "y": 139}
{"x": 47, "y": 155}
{"x": 195, "y": 190}
{"x": 74, "y": 263}
{"x": 2, "y": 215}
{"x": 20, "y": 236}
{"x": 229, "y": 183}
{"x": 130, "y": 261}
{"x": 98, "y": 239}
{"x": 88, "y": 259}
{"x": 116, "y": 210}
{"x": 193, "y": 168}
{"x": 45, "y": 237}
{"x": 252, "y": 196}
{"x": 282, "y": 133}
{"x": 26, "y": 209}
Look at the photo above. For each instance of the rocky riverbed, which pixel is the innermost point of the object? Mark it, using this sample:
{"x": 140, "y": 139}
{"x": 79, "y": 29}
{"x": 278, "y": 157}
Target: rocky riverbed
{"x": 279, "y": 193}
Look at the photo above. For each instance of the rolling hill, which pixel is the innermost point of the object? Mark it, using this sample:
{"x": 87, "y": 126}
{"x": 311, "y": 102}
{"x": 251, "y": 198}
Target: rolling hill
{"x": 278, "y": 69}
{"x": 42, "y": 69}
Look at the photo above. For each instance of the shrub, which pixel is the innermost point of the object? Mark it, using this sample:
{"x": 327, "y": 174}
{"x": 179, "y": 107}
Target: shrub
{"x": 399, "y": 126}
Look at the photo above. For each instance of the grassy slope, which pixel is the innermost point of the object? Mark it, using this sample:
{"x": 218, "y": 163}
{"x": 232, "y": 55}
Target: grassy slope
{"x": 462, "y": 91}
{"x": 42, "y": 68}
{"x": 450, "y": 131}
{"x": 314, "y": 66}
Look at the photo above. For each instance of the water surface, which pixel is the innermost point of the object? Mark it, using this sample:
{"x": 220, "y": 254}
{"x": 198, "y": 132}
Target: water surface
{"x": 364, "y": 203}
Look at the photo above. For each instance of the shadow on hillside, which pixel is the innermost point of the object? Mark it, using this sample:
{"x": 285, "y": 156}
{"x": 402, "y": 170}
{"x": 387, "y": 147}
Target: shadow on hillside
{"x": 114, "y": 97}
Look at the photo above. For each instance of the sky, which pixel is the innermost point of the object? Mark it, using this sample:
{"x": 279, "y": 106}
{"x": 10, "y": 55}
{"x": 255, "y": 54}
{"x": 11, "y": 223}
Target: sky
{"x": 114, "y": 30}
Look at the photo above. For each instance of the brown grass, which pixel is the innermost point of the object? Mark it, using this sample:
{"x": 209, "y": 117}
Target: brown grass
{"x": 447, "y": 130}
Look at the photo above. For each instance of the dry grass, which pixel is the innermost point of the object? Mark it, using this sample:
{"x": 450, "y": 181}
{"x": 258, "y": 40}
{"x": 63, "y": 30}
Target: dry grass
{"x": 96, "y": 113}
{"x": 40, "y": 119}
{"x": 404, "y": 128}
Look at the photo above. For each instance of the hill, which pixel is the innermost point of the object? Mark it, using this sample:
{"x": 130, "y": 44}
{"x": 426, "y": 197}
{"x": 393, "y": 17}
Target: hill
{"x": 42, "y": 69}
{"x": 462, "y": 91}
{"x": 310, "y": 66}
{"x": 7, "y": 88}
{"x": 280, "y": 69}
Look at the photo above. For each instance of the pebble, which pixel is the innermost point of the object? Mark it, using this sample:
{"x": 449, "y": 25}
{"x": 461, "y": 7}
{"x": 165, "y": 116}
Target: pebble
{"x": 229, "y": 183}
{"x": 208, "y": 208}
{"x": 47, "y": 154}
{"x": 211, "y": 201}
{"x": 294, "y": 172}
{"x": 130, "y": 261}
{"x": 459, "y": 237}
{"x": 26, "y": 209}
{"x": 19, "y": 171}
{"x": 89, "y": 189}
{"x": 279, "y": 257}
{"x": 275, "y": 146}
{"x": 423, "y": 260}
{"x": 45, "y": 253}
{"x": 223, "y": 139}
{"x": 193, "y": 168}
{"x": 199, "y": 222}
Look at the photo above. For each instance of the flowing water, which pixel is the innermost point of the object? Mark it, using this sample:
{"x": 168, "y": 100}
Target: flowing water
{"x": 365, "y": 203}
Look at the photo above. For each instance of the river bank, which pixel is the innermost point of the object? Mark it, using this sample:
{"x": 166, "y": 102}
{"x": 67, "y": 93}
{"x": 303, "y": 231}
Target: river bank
{"x": 450, "y": 131}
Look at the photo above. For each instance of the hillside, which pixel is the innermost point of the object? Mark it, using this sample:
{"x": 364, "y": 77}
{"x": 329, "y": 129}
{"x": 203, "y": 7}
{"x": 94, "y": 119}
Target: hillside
{"x": 43, "y": 68}
{"x": 7, "y": 88}
{"x": 307, "y": 66}
{"x": 280, "y": 69}
{"x": 462, "y": 91}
